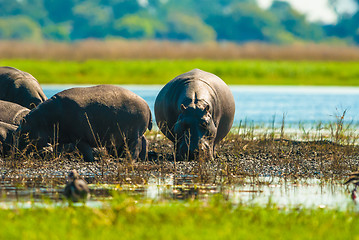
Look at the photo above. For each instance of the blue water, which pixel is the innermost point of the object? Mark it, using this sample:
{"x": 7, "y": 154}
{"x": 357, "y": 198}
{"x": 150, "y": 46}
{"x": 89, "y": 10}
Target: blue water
{"x": 262, "y": 104}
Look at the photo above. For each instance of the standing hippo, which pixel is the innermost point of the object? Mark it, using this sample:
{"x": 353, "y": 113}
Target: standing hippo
{"x": 20, "y": 87}
{"x": 6, "y": 137}
{"x": 12, "y": 113}
{"x": 100, "y": 116}
{"x": 195, "y": 111}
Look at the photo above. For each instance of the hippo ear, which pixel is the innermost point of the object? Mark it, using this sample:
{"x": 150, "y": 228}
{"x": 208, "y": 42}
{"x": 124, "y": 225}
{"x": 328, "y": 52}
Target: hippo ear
{"x": 32, "y": 105}
{"x": 24, "y": 125}
{"x": 206, "y": 108}
{"x": 183, "y": 107}
{"x": 22, "y": 122}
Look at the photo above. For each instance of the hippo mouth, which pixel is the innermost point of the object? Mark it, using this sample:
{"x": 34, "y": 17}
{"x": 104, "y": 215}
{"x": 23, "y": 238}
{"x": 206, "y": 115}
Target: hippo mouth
{"x": 201, "y": 152}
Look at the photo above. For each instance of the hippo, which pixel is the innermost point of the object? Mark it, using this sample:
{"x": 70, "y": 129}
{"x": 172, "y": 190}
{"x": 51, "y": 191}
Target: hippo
{"x": 91, "y": 117}
{"x": 7, "y": 132}
{"x": 20, "y": 87}
{"x": 12, "y": 113}
{"x": 195, "y": 111}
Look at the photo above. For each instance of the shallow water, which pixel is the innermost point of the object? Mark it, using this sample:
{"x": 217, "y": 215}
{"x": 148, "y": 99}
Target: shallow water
{"x": 263, "y": 104}
{"x": 310, "y": 193}
{"x": 303, "y": 194}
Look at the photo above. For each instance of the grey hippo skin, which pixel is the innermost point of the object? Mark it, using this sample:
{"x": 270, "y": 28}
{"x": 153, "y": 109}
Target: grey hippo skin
{"x": 6, "y": 137}
{"x": 20, "y": 87}
{"x": 100, "y": 116}
{"x": 12, "y": 113}
{"x": 195, "y": 111}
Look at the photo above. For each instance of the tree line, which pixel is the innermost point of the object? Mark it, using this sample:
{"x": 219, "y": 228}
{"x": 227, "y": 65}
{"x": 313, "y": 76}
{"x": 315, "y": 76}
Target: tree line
{"x": 186, "y": 20}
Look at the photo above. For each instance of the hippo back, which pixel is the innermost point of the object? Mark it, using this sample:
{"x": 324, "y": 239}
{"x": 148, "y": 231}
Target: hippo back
{"x": 6, "y": 136}
{"x": 99, "y": 99}
{"x": 91, "y": 113}
{"x": 88, "y": 117}
{"x": 12, "y": 113}
{"x": 20, "y": 87}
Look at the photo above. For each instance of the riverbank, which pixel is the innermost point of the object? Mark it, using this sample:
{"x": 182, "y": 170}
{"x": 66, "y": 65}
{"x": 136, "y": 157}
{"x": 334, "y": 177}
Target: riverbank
{"x": 238, "y": 157}
{"x": 218, "y": 199}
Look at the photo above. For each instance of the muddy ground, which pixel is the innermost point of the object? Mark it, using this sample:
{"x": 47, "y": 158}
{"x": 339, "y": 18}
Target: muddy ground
{"x": 236, "y": 159}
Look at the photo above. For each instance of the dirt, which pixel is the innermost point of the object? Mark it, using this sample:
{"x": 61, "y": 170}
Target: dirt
{"x": 235, "y": 160}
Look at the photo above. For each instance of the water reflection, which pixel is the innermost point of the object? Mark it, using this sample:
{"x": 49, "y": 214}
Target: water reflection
{"x": 299, "y": 194}
{"x": 295, "y": 195}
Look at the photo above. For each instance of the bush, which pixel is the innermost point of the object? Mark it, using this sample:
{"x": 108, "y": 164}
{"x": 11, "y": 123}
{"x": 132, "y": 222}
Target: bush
{"x": 19, "y": 27}
{"x": 137, "y": 26}
{"x": 191, "y": 28}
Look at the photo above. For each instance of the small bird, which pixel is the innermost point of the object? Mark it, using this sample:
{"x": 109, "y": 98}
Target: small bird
{"x": 354, "y": 194}
{"x": 76, "y": 190}
{"x": 353, "y": 178}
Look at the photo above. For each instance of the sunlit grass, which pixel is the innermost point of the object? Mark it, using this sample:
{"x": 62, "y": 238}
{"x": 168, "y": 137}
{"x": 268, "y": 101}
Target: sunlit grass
{"x": 129, "y": 218}
{"x": 248, "y": 72}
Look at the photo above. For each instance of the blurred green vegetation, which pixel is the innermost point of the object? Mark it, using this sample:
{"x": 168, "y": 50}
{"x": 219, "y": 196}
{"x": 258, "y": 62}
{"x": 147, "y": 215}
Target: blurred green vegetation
{"x": 20, "y": 28}
{"x": 247, "y": 72}
{"x": 186, "y": 20}
{"x": 129, "y": 218}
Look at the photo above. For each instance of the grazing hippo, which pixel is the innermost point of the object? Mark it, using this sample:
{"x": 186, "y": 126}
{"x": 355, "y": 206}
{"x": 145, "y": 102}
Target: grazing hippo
{"x": 100, "y": 116}
{"x": 195, "y": 111}
{"x": 6, "y": 137}
{"x": 20, "y": 87}
{"x": 12, "y": 113}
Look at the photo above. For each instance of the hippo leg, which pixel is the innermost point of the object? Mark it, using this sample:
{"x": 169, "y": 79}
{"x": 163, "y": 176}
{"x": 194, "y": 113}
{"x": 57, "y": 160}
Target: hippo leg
{"x": 68, "y": 147}
{"x": 135, "y": 148}
{"x": 115, "y": 152}
{"x": 86, "y": 151}
{"x": 177, "y": 153}
{"x": 144, "y": 148}
{"x": 2, "y": 150}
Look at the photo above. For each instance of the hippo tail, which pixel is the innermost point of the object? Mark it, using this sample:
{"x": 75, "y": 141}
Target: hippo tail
{"x": 150, "y": 121}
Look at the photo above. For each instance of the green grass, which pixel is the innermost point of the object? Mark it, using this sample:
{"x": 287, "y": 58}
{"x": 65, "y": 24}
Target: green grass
{"x": 252, "y": 72}
{"x": 127, "y": 218}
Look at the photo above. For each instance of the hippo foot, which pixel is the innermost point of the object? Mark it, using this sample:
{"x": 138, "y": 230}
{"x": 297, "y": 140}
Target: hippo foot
{"x": 144, "y": 149}
{"x": 152, "y": 156}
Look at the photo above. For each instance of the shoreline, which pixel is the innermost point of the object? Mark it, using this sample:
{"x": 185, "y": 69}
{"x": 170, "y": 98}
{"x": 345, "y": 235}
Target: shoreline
{"x": 236, "y": 159}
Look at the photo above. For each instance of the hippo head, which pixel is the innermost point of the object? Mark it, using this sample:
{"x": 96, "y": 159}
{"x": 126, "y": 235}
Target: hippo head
{"x": 195, "y": 132}
{"x": 30, "y": 97}
{"x": 35, "y": 131}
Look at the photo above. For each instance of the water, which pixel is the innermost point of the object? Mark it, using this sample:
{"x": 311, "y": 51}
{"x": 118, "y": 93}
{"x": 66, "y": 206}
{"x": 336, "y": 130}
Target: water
{"x": 263, "y": 104}
{"x": 310, "y": 193}
{"x": 260, "y": 105}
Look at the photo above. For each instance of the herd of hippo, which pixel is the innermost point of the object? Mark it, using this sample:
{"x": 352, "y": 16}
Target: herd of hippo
{"x": 195, "y": 111}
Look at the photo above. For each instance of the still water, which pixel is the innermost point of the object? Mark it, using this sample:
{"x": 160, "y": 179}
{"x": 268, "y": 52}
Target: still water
{"x": 310, "y": 193}
{"x": 263, "y": 104}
